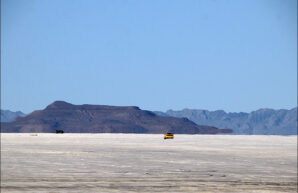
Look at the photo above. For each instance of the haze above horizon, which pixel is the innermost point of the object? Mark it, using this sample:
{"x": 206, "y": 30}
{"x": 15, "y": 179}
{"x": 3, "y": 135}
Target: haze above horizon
{"x": 237, "y": 56}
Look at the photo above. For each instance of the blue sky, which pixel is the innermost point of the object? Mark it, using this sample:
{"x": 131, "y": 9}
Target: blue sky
{"x": 235, "y": 55}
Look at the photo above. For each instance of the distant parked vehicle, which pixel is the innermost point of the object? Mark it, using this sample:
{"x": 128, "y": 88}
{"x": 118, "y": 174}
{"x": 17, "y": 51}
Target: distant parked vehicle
{"x": 169, "y": 136}
{"x": 59, "y": 131}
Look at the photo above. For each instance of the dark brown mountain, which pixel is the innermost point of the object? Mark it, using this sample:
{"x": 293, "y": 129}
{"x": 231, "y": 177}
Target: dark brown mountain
{"x": 102, "y": 119}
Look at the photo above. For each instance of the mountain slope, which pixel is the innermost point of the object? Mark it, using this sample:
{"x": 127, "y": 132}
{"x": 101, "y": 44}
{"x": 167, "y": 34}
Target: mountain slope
{"x": 8, "y": 116}
{"x": 102, "y": 119}
{"x": 262, "y": 121}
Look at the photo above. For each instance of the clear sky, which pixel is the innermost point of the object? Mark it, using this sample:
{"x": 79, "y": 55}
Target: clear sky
{"x": 235, "y": 55}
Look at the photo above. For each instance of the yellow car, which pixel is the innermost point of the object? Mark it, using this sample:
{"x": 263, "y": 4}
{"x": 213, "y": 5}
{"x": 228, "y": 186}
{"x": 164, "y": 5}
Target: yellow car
{"x": 169, "y": 136}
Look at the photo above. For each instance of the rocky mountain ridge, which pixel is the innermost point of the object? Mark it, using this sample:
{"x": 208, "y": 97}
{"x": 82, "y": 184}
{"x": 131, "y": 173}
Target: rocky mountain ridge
{"x": 8, "y": 116}
{"x": 262, "y": 121}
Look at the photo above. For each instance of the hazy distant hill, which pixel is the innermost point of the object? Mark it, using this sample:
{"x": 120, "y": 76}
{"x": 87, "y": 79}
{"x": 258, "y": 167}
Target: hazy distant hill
{"x": 262, "y": 121}
{"x": 8, "y": 116}
{"x": 102, "y": 119}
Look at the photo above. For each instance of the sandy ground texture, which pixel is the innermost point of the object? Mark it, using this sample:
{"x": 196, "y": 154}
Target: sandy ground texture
{"x": 146, "y": 163}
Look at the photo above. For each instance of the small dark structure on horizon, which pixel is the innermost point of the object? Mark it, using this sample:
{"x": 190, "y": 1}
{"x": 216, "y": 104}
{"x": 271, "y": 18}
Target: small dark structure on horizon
{"x": 59, "y": 131}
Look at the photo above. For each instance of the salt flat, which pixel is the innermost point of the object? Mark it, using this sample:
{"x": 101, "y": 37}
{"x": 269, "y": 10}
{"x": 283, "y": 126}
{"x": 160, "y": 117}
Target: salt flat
{"x": 147, "y": 163}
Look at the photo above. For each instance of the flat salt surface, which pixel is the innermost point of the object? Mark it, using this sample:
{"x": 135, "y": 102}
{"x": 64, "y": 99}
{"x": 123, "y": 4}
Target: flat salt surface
{"x": 147, "y": 163}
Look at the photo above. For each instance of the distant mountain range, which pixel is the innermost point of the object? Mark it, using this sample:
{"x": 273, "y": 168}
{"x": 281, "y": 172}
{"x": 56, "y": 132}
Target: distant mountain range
{"x": 71, "y": 118}
{"x": 8, "y": 116}
{"x": 260, "y": 122}
{"x": 100, "y": 118}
